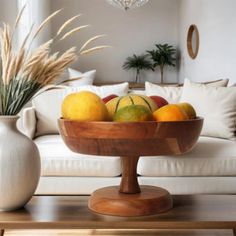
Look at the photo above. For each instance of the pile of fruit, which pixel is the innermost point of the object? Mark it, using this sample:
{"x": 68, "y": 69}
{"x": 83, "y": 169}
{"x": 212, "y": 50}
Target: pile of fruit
{"x": 87, "y": 106}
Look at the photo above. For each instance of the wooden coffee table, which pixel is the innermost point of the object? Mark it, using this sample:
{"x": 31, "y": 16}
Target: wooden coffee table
{"x": 71, "y": 212}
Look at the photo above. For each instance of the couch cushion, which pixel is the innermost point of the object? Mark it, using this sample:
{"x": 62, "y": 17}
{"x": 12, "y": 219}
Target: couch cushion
{"x": 217, "y": 105}
{"x": 210, "y": 157}
{"x": 58, "y": 160}
{"x": 173, "y": 94}
{"x": 170, "y": 93}
{"x": 48, "y": 104}
{"x": 137, "y": 91}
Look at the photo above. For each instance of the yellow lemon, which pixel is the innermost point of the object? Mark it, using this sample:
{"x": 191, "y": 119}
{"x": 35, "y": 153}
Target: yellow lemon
{"x": 84, "y": 106}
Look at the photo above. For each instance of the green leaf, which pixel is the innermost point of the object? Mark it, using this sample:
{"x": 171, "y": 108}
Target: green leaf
{"x": 164, "y": 54}
{"x": 138, "y": 62}
{"x": 15, "y": 95}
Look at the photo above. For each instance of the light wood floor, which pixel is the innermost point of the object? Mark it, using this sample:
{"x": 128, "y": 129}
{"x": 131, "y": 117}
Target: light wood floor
{"x": 118, "y": 233}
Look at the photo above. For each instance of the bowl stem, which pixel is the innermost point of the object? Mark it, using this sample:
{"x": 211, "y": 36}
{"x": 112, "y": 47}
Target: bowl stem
{"x": 129, "y": 181}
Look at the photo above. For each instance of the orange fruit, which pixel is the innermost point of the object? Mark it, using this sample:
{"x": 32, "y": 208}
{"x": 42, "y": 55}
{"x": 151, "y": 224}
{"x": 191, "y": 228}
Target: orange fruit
{"x": 133, "y": 113}
{"x": 170, "y": 112}
{"x": 84, "y": 106}
{"x": 188, "y": 108}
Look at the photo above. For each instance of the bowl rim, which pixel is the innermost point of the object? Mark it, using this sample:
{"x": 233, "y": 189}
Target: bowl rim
{"x": 198, "y": 118}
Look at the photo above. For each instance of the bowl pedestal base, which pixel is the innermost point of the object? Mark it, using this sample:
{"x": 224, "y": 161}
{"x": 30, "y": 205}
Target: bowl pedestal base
{"x": 150, "y": 201}
{"x": 129, "y": 199}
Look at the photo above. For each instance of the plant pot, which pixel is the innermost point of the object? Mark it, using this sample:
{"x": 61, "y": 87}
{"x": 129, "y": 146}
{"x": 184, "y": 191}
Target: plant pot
{"x": 19, "y": 165}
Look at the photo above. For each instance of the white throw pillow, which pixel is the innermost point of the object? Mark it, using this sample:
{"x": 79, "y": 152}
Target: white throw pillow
{"x": 215, "y": 83}
{"x": 217, "y": 105}
{"x": 77, "y": 78}
{"x": 137, "y": 91}
{"x": 102, "y": 91}
{"x": 173, "y": 94}
{"x": 48, "y": 104}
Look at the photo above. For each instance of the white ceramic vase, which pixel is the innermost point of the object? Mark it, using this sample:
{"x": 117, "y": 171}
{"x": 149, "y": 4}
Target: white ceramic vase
{"x": 19, "y": 165}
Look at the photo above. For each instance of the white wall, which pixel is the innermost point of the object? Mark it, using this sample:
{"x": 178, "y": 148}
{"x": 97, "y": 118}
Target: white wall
{"x": 216, "y": 22}
{"x": 36, "y": 11}
{"x": 8, "y": 11}
{"x": 129, "y": 32}
{"x": 137, "y": 30}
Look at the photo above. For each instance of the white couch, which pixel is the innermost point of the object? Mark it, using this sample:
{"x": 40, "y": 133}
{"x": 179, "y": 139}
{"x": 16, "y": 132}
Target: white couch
{"x": 209, "y": 168}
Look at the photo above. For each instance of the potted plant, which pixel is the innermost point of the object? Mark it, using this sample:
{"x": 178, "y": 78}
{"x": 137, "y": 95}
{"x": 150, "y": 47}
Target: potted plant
{"x": 163, "y": 55}
{"x": 138, "y": 63}
{"x": 22, "y": 74}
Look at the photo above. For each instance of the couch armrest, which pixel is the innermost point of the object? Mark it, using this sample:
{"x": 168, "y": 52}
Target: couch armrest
{"x": 29, "y": 122}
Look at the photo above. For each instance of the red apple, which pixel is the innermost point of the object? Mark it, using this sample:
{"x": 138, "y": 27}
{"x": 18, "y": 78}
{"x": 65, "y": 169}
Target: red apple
{"x": 160, "y": 101}
{"x": 108, "y": 98}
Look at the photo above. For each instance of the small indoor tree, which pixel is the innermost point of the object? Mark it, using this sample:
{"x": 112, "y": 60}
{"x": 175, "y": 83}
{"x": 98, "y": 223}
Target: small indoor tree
{"x": 163, "y": 55}
{"x": 138, "y": 63}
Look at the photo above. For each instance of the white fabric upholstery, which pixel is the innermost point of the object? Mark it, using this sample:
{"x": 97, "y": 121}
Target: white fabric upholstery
{"x": 48, "y": 109}
{"x": 62, "y": 185}
{"x": 193, "y": 185}
{"x": 210, "y": 157}
{"x": 175, "y": 185}
{"x": 58, "y": 160}
{"x": 217, "y": 105}
{"x": 77, "y": 78}
{"x": 209, "y": 169}
{"x": 102, "y": 91}
{"x": 48, "y": 104}
{"x": 214, "y": 83}
{"x": 171, "y": 94}
{"x": 137, "y": 91}
{"x": 28, "y": 122}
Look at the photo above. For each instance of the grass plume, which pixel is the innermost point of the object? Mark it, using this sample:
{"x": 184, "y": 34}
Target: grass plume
{"x": 97, "y": 48}
{"x": 90, "y": 41}
{"x": 73, "y": 31}
{"x": 42, "y": 25}
{"x": 25, "y": 72}
{"x": 68, "y": 22}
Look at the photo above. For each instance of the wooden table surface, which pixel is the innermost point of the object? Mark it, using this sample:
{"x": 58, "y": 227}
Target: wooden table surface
{"x": 71, "y": 212}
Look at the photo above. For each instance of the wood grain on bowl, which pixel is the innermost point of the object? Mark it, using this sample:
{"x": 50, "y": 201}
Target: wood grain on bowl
{"x": 130, "y": 138}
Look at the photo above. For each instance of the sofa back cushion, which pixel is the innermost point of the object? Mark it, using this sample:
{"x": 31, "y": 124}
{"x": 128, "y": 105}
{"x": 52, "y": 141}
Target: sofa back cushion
{"x": 170, "y": 93}
{"x": 137, "y": 91}
{"x": 214, "y": 83}
{"x": 48, "y": 104}
{"x": 217, "y": 105}
{"x": 173, "y": 94}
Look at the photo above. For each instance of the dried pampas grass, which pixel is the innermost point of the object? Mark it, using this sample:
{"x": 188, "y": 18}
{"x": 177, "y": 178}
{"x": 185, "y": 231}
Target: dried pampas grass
{"x": 90, "y": 50}
{"x": 24, "y": 73}
{"x": 91, "y": 40}
{"x": 68, "y": 22}
{"x": 42, "y": 25}
{"x": 73, "y": 31}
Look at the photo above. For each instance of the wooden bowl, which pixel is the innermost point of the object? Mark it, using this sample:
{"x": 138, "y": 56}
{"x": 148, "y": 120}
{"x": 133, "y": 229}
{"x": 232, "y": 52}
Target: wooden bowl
{"x": 130, "y": 138}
